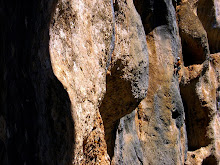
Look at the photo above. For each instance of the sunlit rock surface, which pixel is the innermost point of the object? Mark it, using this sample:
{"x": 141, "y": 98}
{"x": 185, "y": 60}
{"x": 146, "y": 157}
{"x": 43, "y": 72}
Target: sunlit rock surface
{"x": 95, "y": 82}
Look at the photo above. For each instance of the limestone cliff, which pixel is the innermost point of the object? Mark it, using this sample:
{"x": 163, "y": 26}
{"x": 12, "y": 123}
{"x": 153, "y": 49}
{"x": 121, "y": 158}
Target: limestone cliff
{"x": 96, "y": 82}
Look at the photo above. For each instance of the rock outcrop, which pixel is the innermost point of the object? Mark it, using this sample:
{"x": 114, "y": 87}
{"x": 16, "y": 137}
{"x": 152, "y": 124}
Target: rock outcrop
{"x": 193, "y": 35}
{"x": 208, "y": 13}
{"x": 96, "y": 82}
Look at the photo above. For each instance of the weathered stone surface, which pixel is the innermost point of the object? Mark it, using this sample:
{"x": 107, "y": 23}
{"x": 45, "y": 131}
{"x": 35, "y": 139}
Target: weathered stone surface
{"x": 94, "y": 82}
{"x": 193, "y": 35}
{"x": 127, "y": 84}
{"x": 208, "y": 13}
{"x": 161, "y": 129}
{"x": 80, "y": 43}
{"x": 128, "y": 149}
{"x": 199, "y": 92}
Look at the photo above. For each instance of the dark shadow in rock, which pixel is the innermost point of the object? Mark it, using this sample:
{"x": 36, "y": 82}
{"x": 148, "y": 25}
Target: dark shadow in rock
{"x": 211, "y": 160}
{"x": 118, "y": 102}
{"x": 197, "y": 117}
{"x": 193, "y": 52}
{"x": 36, "y": 107}
{"x": 153, "y": 13}
{"x": 206, "y": 12}
{"x": 176, "y": 3}
{"x": 194, "y": 40}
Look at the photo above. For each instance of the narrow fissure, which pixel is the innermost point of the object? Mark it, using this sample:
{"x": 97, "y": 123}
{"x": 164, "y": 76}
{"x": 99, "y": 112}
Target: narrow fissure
{"x": 153, "y": 13}
{"x": 218, "y": 99}
{"x": 197, "y": 118}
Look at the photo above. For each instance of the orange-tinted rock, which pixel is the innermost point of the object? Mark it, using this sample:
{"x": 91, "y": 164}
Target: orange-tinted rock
{"x": 96, "y": 82}
{"x": 193, "y": 35}
{"x": 200, "y": 99}
{"x": 127, "y": 85}
{"x": 153, "y": 133}
{"x": 81, "y": 35}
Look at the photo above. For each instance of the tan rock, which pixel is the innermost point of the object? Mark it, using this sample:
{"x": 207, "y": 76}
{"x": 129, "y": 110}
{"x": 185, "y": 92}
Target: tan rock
{"x": 95, "y": 82}
{"x": 197, "y": 157}
{"x": 157, "y": 136}
{"x": 80, "y": 45}
{"x": 202, "y": 117}
{"x": 128, "y": 82}
{"x": 208, "y": 13}
{"x": 193, "y": 35}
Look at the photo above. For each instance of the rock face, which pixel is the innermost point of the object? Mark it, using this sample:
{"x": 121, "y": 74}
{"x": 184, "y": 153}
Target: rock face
{"x": 193, "y": 35}
{"x": 211, "y": 23}
{"x": 96, "y": 82}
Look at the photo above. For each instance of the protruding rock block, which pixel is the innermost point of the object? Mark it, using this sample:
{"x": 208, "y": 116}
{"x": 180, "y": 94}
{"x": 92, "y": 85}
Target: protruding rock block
{"x": 193, "y": 36}
{"x": 209, "y": 14}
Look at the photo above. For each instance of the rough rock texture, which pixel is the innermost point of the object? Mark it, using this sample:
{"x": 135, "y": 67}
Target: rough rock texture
{"x": 94, "y": 82}
{"x": 199, "y": 91}
{"x": 80, "y": 43}
{"x": 193, "y": 35}
{"x": 161, "y": 129}
{"x": 210, "y": 23}
{"x": 128, "y": 82}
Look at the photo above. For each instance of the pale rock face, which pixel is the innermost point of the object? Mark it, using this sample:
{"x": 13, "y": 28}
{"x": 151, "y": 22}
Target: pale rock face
{"x": 80, "y": 41}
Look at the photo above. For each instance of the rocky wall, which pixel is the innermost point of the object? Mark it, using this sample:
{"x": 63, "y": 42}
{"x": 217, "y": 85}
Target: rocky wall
{"x": 96, "y": 82}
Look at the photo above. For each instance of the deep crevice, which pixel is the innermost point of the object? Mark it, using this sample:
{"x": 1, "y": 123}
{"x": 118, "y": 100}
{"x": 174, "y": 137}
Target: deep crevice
{"x": 197, "y": 117}
{"x": 206, "y": 14}
{"x": 116, "y": 6}
{"x": 153, "y": 13}
{"x": 118, "y": 102}
{"x": 211, "y": 160}
{"x": 192, "y": 53}
{"x": 175, "y": 114}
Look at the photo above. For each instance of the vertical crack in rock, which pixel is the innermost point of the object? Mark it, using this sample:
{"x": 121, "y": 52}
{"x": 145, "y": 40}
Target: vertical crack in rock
{"x": 112, "y": 44}
{"x": 153, "y": 13}
{"x": 118, "y": 101}
{"x": 197, "y": 117}
{"x": 128, "y": 82}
